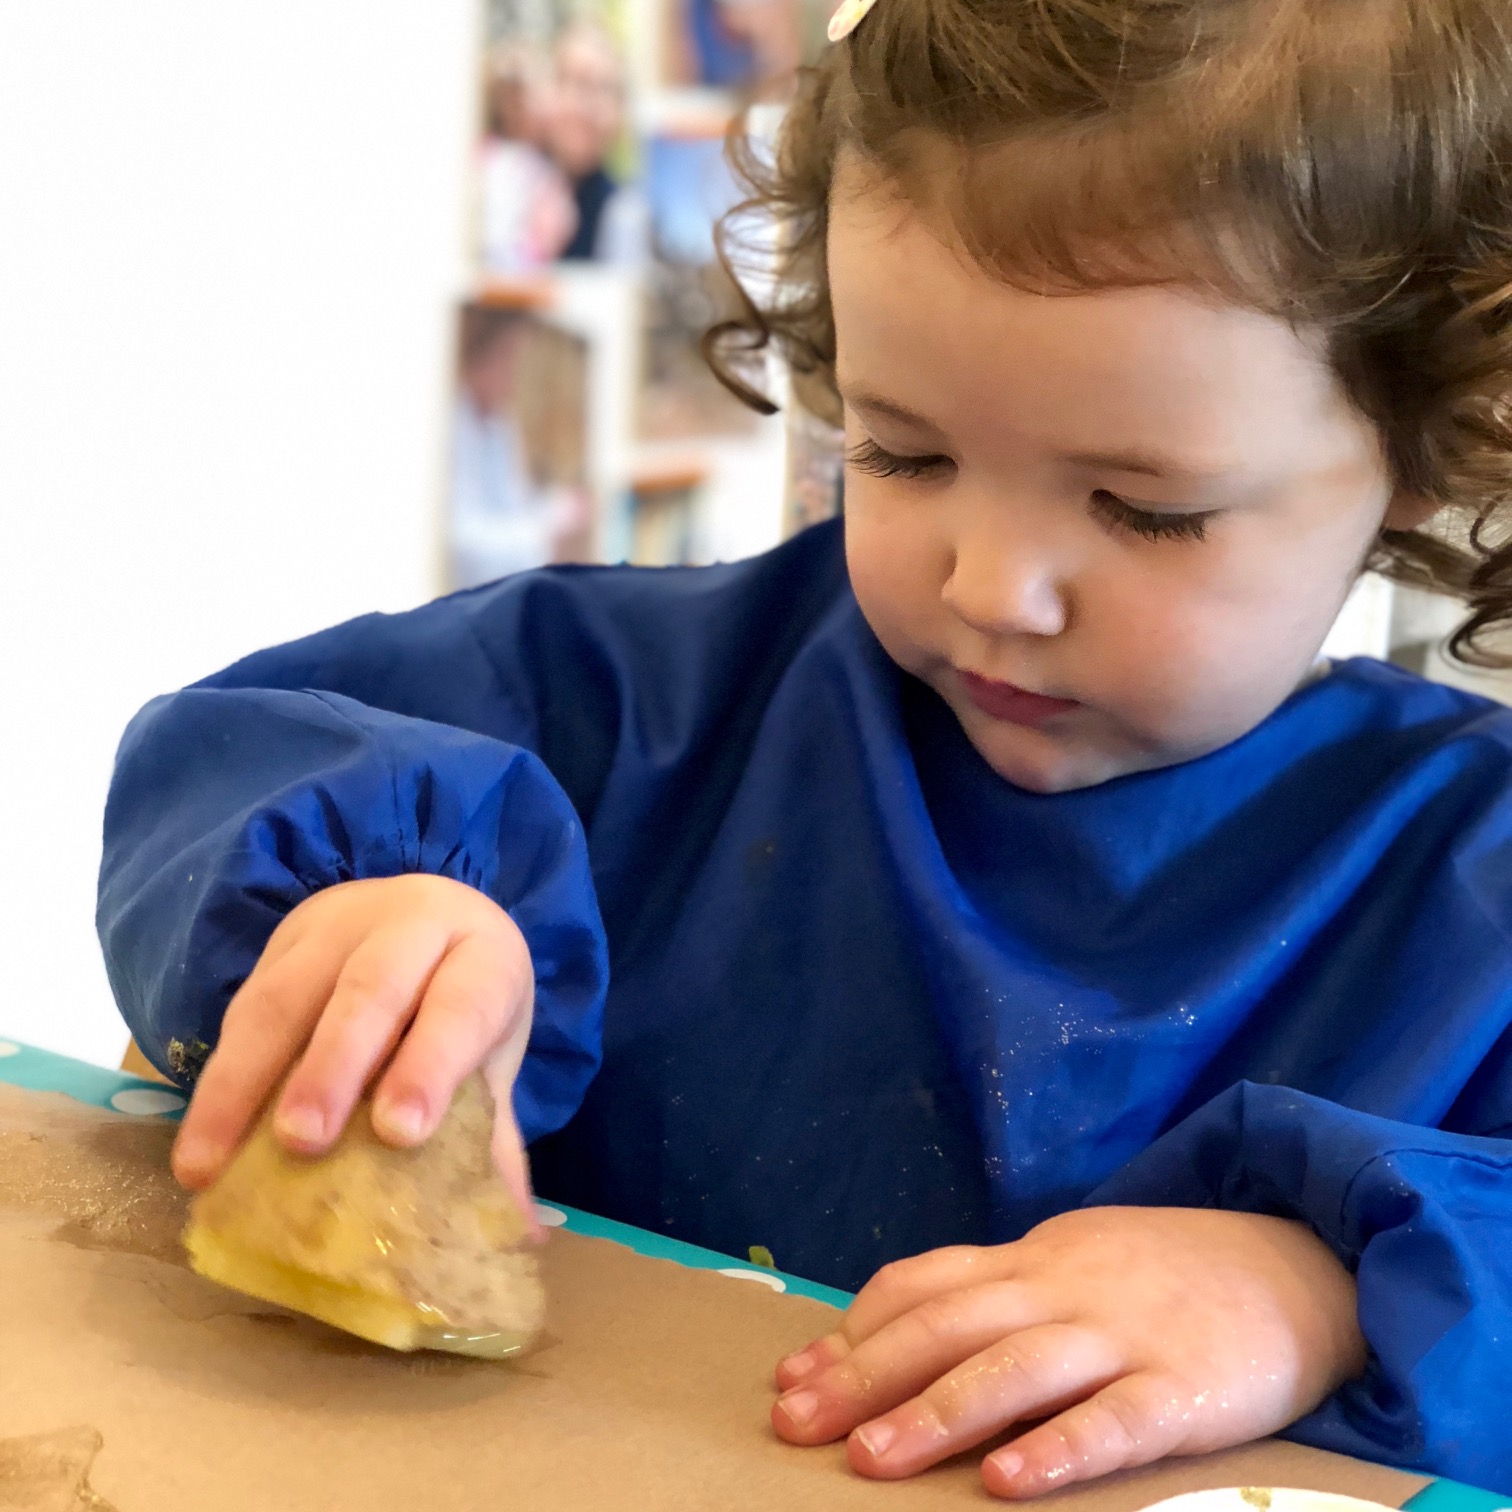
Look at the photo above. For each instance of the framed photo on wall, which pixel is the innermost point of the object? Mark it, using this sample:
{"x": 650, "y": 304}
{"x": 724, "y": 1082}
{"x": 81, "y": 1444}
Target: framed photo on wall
{"x": 520, "y": 492}
{"x": 556, "y": 163}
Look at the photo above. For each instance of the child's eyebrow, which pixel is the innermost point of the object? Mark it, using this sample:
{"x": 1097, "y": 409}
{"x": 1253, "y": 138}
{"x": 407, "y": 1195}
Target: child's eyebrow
{"x": 867, "y": 399}
{"x": 1149, "y": 463}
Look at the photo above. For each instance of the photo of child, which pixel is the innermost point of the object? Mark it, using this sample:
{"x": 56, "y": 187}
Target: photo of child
{"x": 553, "y": 179}
{"x": 519, "y": 496}
{"x": 526, "y": 211}
{"x": 585, "y": 124}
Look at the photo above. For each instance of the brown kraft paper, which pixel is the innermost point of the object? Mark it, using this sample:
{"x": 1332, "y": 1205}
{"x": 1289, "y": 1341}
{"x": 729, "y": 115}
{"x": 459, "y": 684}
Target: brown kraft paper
{"x": 128, "y": 1384}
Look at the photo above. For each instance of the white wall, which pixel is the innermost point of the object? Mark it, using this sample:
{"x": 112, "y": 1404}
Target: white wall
{"x": 1363, "y": 627}
{"x": 229, "y": 237}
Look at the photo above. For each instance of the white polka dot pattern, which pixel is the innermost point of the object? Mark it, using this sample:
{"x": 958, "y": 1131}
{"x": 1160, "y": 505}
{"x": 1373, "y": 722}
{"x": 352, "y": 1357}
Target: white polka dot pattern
{"x": 765, "y": 1277}
{"x": 146, "y": 1101}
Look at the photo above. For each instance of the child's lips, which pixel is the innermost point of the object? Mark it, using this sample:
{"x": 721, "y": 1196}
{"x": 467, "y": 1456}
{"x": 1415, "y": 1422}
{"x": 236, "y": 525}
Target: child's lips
{"x": 1011, "y": 704}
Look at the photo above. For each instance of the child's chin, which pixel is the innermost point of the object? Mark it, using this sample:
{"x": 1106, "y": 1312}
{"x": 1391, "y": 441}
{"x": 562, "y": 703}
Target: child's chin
{"x": 1030, "y": 760}
{"x": 1038, "y": 762}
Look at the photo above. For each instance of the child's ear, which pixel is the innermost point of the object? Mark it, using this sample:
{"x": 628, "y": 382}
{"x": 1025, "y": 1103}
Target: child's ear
{"x": 1409, "y": 511}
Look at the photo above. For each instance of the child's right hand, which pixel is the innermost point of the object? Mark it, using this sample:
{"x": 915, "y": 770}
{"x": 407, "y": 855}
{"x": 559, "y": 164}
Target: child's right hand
{"x": 417, "y": 968}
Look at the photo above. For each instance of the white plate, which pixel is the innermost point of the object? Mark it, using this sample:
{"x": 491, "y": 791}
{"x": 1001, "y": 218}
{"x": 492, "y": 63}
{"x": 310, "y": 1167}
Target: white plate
{"x": 1265, "y": 1499}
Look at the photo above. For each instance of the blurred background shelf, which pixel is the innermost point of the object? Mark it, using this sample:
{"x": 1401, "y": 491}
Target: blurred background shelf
{"x": 599, "y": 176}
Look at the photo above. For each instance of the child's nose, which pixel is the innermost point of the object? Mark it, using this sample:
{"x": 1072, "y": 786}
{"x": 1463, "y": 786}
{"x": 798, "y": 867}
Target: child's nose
{"x": 1007, "y": 588}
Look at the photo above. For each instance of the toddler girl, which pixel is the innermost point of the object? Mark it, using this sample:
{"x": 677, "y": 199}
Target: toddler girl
{"x": 991, "y": 892}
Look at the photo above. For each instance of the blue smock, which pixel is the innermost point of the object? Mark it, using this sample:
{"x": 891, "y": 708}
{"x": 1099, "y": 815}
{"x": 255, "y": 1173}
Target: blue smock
{"x": 867, "y": 998}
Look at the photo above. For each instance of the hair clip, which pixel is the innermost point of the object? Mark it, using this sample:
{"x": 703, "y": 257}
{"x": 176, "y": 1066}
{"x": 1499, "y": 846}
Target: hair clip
{"x": 850, "y": 15}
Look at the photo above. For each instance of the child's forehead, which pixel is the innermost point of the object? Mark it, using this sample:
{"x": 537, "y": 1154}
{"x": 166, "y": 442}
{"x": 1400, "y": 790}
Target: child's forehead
{"x": 919, "y": 324}
{"x": 1014, "y": 215}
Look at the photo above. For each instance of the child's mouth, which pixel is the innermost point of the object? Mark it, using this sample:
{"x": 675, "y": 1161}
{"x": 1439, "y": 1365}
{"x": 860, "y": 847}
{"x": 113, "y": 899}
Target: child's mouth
{"x": 1013, "y": 705}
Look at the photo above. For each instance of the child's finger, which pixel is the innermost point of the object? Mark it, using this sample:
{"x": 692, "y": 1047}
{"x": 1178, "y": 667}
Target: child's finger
{"x": 905, "y": 1284}
{"x": 893, "y": 1292}
{"x": 291, "y": 930}
{"x": 1028, "y": 1375}
{"x": 903, "y": 1357}
{"x": 812, "y": 1358}
{"x": 472, "y": 1002}
{"x": 1135, "y": 1421}
{"x": 267, "y": 1024}
{"x": 371, "y": 1004}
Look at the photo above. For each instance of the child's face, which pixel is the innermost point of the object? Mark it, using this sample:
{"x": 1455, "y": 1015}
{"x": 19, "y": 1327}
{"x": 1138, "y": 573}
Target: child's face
{"x": 1146, "y": 506}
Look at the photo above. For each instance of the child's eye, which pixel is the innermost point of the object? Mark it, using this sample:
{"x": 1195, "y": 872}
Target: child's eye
{"x": 1148, "y": 523}
{"x": 868, "y": 457}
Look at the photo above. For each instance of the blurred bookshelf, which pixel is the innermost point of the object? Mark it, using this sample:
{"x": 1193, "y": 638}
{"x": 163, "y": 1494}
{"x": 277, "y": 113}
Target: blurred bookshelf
{"x": 585, "y": 423}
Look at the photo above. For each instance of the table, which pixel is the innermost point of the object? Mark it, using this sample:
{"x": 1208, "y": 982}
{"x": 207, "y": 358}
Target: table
{"x": 38, "y": 1070}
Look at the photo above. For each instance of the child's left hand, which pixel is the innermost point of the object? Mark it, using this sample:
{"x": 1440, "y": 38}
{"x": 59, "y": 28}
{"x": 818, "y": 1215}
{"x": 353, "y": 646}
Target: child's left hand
{"x": 1139, "y": 1332}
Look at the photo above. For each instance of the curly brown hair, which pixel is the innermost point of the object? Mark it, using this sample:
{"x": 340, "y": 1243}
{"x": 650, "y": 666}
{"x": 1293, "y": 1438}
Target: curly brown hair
{"x": 1344, "y": 164}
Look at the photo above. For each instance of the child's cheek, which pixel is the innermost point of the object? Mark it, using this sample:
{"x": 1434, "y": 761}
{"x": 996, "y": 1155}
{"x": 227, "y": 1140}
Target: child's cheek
{"x": 897, "y": 573}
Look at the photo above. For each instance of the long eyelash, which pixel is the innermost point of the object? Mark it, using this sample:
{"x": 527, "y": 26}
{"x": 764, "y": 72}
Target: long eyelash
{"x": 868, "y": 457}
{"x": 1148, "y": 524}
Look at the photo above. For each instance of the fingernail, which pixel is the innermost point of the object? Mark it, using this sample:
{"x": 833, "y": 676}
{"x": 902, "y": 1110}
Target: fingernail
{"x": 302, "y": 1124}
{"x": 877, "y": 1438}
{"x": 402, "y": 1122}
{"x": 1009, "y": 1463}
{"x": 196, "y": 1155}
{"x": 800, "y": 1406}
{"x": 800, "y": 1364}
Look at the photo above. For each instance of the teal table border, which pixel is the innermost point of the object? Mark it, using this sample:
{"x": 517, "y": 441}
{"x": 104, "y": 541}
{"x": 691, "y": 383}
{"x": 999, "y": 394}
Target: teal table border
{"x": 1451, "y": 1496}
{"x": 42, "y": 1071}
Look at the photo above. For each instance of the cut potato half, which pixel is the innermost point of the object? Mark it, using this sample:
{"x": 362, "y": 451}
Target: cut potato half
{"x": 413, "y": 1249}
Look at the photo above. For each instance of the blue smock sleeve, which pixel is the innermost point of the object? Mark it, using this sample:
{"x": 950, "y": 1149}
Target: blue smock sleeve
{"x": 1421, "y": 1216}
{"x": 232, "y": 804}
